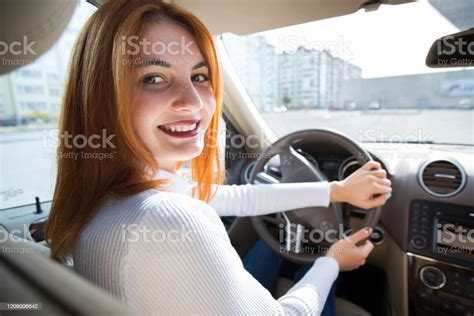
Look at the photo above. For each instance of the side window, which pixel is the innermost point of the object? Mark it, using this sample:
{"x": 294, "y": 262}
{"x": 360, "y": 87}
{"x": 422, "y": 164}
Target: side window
{"x": 30, "y": 102}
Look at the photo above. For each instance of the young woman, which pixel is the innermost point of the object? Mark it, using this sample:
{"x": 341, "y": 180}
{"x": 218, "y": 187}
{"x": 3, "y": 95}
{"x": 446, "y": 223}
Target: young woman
{"x": 144, "y": 91}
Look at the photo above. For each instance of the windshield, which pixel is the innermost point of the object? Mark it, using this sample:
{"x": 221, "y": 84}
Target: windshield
{"x": 30, "y": 102}
{"x": 363, "y": 74}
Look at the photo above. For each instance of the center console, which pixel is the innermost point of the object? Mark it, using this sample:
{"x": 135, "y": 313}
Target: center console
{"x": 441, "y": 259}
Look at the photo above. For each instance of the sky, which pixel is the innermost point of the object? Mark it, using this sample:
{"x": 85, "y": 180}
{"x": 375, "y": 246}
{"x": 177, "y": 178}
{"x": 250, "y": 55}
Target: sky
{"x": 391, "y": 41}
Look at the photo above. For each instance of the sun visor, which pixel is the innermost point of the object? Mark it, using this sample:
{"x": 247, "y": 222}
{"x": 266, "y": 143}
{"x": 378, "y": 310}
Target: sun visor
{"x": 28, "y": 28}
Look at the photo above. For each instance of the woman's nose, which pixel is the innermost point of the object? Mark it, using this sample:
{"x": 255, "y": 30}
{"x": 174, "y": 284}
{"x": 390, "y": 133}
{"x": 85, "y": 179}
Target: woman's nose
{"x": 187, "y": 98}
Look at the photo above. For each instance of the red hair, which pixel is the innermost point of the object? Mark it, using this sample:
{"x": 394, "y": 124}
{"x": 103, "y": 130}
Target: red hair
{"x": 93, "y": 103}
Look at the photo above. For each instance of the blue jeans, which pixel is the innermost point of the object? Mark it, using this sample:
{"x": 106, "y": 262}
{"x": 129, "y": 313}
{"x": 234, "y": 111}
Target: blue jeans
{"x": 264, "y": 264}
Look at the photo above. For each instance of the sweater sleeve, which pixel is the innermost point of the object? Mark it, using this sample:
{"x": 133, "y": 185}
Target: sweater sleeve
{"x": 195, "y": 270}
{"x": 262, "y": 199}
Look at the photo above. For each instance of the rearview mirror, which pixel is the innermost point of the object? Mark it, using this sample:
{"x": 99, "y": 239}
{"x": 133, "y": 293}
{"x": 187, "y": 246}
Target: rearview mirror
{"x": 454, "y": 50}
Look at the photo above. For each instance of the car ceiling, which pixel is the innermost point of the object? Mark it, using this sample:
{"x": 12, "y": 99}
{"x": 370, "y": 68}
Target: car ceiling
{"x": 250, "y": 16}
{"x": 44, "y": 21}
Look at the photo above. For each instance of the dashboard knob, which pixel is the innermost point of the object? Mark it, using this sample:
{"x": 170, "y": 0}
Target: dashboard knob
{"x": 377, "y": 236}
{"x": 432, "y": 277}
{"x": 418, "y": 242}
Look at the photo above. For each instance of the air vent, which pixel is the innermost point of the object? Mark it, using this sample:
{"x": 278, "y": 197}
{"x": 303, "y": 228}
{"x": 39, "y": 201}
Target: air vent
{"x": 442, "y": 178}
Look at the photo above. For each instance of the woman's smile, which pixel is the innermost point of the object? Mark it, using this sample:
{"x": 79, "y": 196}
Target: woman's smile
{"x": 181, "y": 129}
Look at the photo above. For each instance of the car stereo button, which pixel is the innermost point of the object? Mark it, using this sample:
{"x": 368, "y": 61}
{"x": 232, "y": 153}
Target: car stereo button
{"x": 419, "y": 242}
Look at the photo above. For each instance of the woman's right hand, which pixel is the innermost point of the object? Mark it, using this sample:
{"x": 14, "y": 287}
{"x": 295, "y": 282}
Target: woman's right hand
{"x": 360, "y": 187}
{"x": 348, "y": 255}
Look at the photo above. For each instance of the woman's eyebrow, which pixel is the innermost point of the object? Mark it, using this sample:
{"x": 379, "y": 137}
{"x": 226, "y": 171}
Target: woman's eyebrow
{"x": 200, "y": 64}
{"x": 165, "y": 64}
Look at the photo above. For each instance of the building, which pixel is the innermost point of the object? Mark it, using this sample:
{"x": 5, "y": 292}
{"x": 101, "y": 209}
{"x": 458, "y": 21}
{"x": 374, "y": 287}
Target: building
{"x": 304, "y": 78}
{"x": 255, "y": 61}
{"x": 309, "y": 78}
{"x": 297, "y": 78}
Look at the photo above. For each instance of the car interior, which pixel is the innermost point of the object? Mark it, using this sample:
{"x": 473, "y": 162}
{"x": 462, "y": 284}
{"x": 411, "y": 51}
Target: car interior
{"x": 423, "y": 260}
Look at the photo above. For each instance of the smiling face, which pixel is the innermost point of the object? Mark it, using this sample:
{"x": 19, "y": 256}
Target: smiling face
{"x": 175, "y": 99}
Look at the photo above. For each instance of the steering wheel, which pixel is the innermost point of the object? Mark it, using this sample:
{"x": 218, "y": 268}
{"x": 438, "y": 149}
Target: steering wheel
{"x": 295, "y": 167}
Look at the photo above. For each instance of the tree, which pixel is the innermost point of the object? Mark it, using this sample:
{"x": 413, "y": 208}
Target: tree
{"x": 286, "y": 100}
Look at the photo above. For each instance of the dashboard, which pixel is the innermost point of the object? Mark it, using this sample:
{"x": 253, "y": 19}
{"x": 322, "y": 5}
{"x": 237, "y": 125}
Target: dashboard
{"x": 430, "y": 216}
{"x": 419, "y": 172}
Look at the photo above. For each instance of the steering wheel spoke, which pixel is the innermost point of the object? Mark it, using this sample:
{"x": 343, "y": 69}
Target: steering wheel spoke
{"x": 263, "y": 177}
{"x": 277, "y": 221}
{"x": 296, "y": 168}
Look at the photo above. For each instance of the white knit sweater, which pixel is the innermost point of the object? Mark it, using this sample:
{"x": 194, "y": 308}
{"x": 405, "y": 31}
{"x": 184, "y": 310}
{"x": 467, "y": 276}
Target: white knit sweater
{"x": 166, "y": 253}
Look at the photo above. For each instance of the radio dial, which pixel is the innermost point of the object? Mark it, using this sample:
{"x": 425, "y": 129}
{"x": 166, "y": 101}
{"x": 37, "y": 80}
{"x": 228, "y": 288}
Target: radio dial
{"x": 432, "y": 277}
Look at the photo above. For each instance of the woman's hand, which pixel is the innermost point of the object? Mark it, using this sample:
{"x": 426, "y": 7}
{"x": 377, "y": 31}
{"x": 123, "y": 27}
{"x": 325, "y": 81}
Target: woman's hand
{"x": 358, "y": 189}
{"x": 347, "y": 254}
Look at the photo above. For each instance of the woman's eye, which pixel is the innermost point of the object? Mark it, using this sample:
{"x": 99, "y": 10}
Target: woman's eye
{"x": 155, "y": 79}
{"x": 200, "y": 78}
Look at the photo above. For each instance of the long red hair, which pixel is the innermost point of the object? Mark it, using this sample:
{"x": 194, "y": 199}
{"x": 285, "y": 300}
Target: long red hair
{"x": 99, "y": 97}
